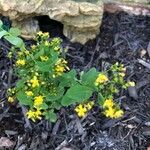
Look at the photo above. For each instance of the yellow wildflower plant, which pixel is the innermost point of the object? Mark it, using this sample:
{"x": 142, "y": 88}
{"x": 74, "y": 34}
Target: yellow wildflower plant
{"x": 45, "y": 82}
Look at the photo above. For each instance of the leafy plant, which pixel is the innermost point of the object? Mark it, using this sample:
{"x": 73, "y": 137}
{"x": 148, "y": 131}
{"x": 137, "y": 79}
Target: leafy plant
{"x": 46, "y": 83}
{"x": 11, "y": 36}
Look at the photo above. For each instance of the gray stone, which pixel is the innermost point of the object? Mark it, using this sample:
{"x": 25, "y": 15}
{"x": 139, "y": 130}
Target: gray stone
{"x": 81, "y": 18}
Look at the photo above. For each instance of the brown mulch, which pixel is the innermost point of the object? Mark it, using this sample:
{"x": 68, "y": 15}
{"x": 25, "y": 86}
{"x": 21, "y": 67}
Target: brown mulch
{"x": 124, "y": 38}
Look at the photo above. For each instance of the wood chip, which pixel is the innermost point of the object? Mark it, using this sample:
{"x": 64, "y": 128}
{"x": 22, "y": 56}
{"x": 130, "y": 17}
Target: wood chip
{"x": 5, "y": 142}
{"x": 148, "y": 49}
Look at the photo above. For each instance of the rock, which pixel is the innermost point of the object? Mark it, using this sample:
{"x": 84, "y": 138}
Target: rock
{"x": 81, "y": 18}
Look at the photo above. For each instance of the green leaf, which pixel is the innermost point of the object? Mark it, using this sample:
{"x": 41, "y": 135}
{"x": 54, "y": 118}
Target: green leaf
{"x": 57, "y": 105}
{"x": 16, "y": 41}
{"x": 50, "y": 115}
{"x": 38, "y": 54}
{"x": 89, "y": 77}
{"x": 23, "y": 99}
{"x": 1, "y": 23}
{"x": 2, "y": 33}
{"x": 20, "y": 84}
{"x": 43, "y": 66}
{"x": 67, "y": 79}
{"x": 44, "y": 106}
{"x": 101, "y": 99}
{"x": 59, "y": 94}
{"x": 66, "y": 101}
{"x": 14, "y": 31}
{"x": 79, "y": 93}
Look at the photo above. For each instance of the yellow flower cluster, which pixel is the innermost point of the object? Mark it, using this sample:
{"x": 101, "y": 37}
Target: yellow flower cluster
{"x": 131, "y": 83}
{"x": 101, "y": 79}
{"x": 29, "y": 93}
{"x": 60, "y": 67}
{"x": 38, "y": 100}
{"x": 82, "y": 109}
{"x": 110, "y": 109}
{"x": 34, "y": 114}
{"x": 41, "y": 34}
{"x": 20, "y": 62}
{"x": 10, "y": 99}
{"x": 34, "y": 81}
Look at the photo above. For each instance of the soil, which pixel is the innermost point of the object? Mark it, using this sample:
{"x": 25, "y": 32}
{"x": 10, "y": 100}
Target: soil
{"x": 124, "y": 38}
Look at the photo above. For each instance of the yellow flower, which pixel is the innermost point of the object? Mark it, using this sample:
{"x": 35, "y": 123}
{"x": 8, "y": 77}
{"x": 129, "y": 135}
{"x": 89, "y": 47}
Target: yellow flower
{"x": 40, "y": 33}
{"x": 38, "y": 100}
{"x": 118, "y": 114}
{"x": 26, "y": 52}
{"x": 33, "y": 47}
{"x": 33, "y": 115}
{"x": 29, "y": 93}
{"x": 109, "y": 112}
{"x": 123, "y": 69}
{"x": 38, "y": 114}
{"x": 46, "y": 43}
{"x": 81, "y": 110}
{"x": 122, "y": 74}
{"x": 46, "y": 34}
{"x": 20, "y": 53}
{"x": 20, "y": 62}
{"x": 44, "y": 58}
{"x": 56, "y": 48}
{"x": 131, "y": 83}
{"x": 10, "y": 99}
{"x": 60, "y": 67}
{"x": 101, "y": 79}
{"x": 89, "y": 105}
{"x": 34, "y": 81}
{"x": 108, "y": 103}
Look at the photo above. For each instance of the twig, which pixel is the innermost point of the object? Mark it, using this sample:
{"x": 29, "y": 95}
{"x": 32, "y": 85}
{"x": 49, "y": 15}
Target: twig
{"x": 56, "y": 127}
{"x": 27, "y": 122}
{"x": 92, "y": 57}
{"x": 145, "y": 64}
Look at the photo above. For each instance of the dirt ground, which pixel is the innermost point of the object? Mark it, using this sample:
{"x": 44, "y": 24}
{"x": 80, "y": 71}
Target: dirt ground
{"x": 124, "y": 38}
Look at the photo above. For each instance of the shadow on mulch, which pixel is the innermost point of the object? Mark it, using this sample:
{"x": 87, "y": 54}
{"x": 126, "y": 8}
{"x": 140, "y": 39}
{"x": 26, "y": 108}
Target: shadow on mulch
{"x": 124, "y": 38}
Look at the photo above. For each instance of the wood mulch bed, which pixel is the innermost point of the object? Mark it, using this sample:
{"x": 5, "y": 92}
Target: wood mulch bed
{"x": 124, "y": 38}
